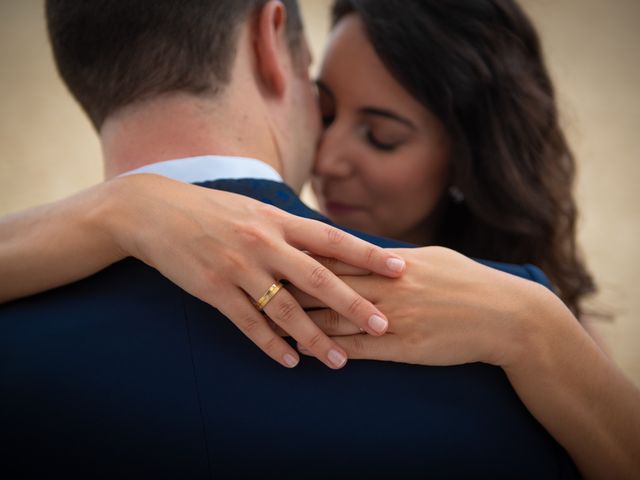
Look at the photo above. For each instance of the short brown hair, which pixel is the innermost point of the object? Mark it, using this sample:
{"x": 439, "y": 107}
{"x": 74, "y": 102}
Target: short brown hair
{"x": 111, "y": 53}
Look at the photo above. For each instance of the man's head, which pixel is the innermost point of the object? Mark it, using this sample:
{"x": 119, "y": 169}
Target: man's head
{"x": 114, "y": 53}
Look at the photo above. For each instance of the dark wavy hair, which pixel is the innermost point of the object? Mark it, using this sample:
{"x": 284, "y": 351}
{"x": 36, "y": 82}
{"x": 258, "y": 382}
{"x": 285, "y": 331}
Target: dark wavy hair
{"x": 478, "y": 66}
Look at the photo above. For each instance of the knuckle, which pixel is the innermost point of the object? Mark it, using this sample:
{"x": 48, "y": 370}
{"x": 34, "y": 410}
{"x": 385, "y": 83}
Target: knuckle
{"x": 271, "y": 346}
{"x": 253, "y": 235}
{"x": 286, "y": 311}
{"x": 334, "y": 236}
{"x": 356, "y": 304}
{"x": 271, "y": 213}
{"x": 235, "y": 262}
{"x": 250, "y": 324}
{"x": 315, "y": 341}
{"x": 332, "y": 320}
{"x": 370, "y": 255}
{"x": 291, "y": 225}
{"x": 319, "y": 276}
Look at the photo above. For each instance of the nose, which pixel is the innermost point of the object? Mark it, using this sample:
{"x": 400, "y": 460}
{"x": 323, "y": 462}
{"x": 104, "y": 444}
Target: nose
{"x": 333, "y": 159}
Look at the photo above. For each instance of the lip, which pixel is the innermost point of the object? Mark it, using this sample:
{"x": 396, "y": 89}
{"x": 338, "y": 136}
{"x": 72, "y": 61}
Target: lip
{"x": 338, "y": 208}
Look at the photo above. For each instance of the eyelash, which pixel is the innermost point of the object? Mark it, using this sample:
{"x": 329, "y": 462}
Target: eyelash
{"x": 384, "y": 147}
{"x": 368, "y": 135}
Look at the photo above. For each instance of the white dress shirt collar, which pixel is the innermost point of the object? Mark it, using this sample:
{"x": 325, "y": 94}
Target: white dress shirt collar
{"x": 210, "y": 168}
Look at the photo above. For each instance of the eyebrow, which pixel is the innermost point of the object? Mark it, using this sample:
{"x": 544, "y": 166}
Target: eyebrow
{"x": 380, "y": 112}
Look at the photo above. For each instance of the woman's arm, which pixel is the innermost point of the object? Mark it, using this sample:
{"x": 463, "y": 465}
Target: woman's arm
{"x": 55, "y": 244}
{"x": 221, "y": 247}
{"x": 576, "y": 392}
{"x": 447, "y": 310}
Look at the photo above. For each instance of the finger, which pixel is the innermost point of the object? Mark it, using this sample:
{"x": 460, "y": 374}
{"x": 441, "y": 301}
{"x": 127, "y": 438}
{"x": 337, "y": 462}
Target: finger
{"x": 327, "y": 241}
{"x": 304, "y": 299}
{"x": 332, "y": 323}
{"x": 317, "y": 281}
{"x": 338, "y": 267}
{"x": 366, "y": 347}
{"x": 290, "y": 317}
{"x": 370, "y": 287}
{"x": 238, "y": 308}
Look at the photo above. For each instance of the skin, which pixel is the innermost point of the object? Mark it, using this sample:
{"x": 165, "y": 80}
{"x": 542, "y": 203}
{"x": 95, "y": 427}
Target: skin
{"x": 383, "y": 160}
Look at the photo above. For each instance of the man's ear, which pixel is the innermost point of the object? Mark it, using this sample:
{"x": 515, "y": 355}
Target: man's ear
{"x": 271, "y": 47}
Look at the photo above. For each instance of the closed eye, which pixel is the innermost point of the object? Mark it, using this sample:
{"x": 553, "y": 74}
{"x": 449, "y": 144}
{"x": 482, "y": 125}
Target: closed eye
{"x": 385, "y": 147}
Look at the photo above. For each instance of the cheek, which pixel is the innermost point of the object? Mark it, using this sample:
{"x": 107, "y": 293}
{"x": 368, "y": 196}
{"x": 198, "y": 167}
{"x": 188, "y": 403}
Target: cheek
{"x": 407, "y": 189}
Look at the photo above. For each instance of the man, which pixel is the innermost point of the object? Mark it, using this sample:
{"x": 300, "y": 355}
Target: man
{"x": 126, "y": 375}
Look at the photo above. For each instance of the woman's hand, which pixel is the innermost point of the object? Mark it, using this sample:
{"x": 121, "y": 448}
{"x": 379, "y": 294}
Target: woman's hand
{"x": 446, "y": 309}
{"x": 223, "y": 248}
{"x": 227, "y": 249}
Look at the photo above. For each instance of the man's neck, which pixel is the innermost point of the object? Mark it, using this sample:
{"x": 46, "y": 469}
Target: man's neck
{"x": 181, "y": 126}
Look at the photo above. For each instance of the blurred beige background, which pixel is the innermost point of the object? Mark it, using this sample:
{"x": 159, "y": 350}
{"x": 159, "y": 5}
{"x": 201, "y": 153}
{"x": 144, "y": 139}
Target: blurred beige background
{"x": 49, "y": 149}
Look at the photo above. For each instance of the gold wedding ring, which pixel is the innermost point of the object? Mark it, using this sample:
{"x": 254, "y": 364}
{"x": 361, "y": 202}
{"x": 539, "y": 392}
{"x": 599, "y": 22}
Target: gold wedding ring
{"x": 266, "y": 298}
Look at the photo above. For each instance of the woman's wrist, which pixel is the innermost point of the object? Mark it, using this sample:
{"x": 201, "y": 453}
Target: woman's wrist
{"x": 108, "y": 217}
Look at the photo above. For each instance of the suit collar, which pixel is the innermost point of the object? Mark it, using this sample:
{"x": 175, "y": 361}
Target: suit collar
{"x": 270, "y": 192}
{"x": 282, "y": 196}
{"x": 211, "y": 168}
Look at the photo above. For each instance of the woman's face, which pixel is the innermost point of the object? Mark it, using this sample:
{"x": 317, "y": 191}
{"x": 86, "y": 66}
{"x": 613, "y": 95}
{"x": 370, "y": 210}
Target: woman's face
{"x": 383, "y": 159}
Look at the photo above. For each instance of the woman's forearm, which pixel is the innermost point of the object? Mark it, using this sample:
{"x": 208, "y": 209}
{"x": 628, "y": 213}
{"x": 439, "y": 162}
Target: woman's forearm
{"x": 55, "y": 244}
{"x": 578, "y": 394}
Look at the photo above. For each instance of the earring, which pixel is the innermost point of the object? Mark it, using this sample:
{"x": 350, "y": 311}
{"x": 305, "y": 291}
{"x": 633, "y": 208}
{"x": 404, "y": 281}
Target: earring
{"x": 456, "y": 194}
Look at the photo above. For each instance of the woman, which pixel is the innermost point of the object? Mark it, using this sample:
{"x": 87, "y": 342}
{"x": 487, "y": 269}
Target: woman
{"x": 448, "y": 136}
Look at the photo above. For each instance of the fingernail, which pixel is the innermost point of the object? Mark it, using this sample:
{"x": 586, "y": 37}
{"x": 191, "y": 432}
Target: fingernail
{"x": 396, "y": 264}
{"x": 337, "y": 359}
{"x": 378, "y": 324}
{"x": 290, "y": 361}
{"x": 303, "y": 350}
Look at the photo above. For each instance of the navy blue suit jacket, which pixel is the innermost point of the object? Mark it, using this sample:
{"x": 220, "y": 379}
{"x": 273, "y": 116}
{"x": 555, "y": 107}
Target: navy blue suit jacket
{"x": 124, "y": 375}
